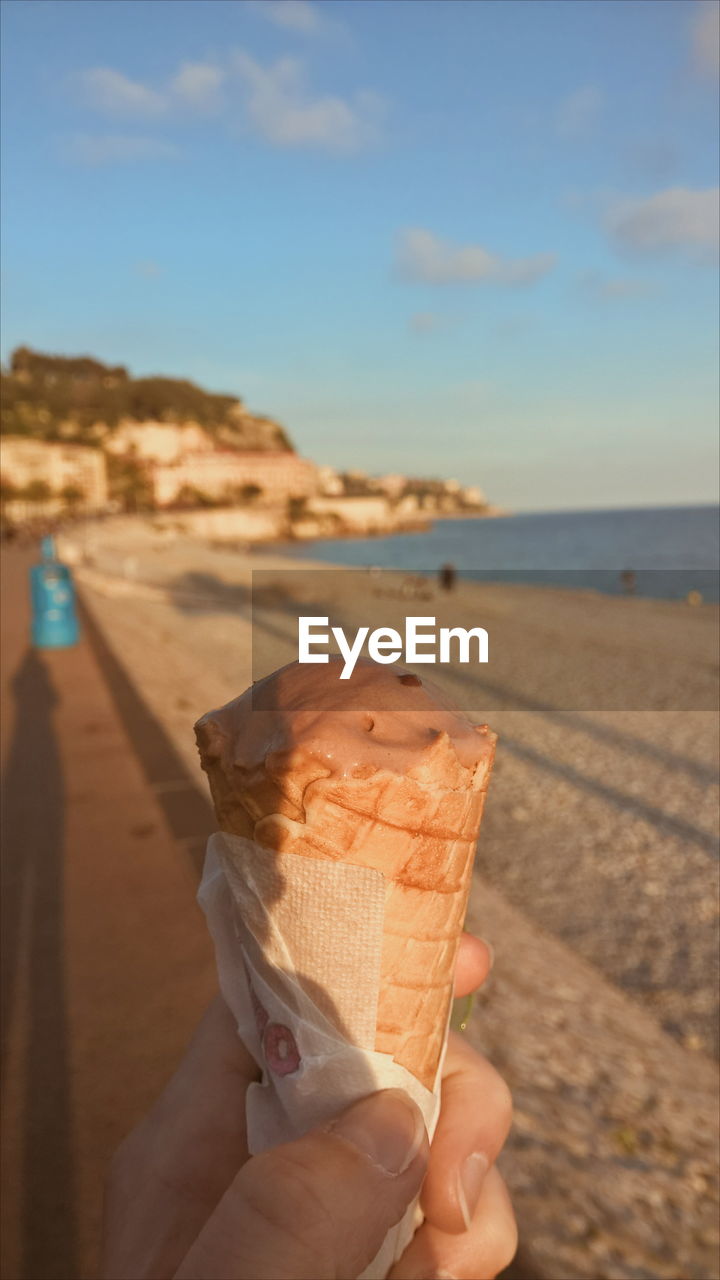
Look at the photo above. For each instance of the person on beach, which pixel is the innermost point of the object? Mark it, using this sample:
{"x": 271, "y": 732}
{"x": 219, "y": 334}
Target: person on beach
{"x": 186, "y": 1200}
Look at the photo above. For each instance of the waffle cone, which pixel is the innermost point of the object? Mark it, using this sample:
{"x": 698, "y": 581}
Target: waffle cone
{"x": 412, "y": 813}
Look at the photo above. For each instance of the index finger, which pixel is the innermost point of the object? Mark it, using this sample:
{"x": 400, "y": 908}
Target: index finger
{"x": 473, "y": 964}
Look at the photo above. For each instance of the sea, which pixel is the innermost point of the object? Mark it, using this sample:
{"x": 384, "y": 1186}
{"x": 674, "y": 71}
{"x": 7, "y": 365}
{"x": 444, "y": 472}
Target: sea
{"x": 664, "y": 552}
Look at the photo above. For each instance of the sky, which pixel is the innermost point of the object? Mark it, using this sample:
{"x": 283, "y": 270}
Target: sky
{"x": 442, "y": 237}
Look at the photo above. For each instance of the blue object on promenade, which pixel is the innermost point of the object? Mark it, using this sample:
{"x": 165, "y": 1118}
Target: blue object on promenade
{"x": 52, "y": 597}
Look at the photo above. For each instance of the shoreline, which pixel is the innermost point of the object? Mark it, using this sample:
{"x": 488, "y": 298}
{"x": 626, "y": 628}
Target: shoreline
{"x": 587, "y": 581}
{"x": 491, "y": 513}
{"x": 386, "y": 551}
{"x": 554, "y": 647}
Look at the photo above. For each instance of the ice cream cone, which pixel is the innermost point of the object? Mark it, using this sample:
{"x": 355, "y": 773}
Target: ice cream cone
{"x": 375, "y": 774}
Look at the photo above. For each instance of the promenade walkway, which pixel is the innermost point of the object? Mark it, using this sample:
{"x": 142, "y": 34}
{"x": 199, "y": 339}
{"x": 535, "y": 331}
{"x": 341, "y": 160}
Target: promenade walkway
{"x": 102, "y": 832}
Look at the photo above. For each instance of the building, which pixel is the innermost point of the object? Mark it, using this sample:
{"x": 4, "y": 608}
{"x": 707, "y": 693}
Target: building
{"x": 330, "y": 482}
{"x": 223, "y": 473}
{"x": 357, "y": 515}
{"x": 162, "y": 442}
{"x": 24, "y": 462}
{"x": 472, "y": 496}
{"x": 392, "y": 485}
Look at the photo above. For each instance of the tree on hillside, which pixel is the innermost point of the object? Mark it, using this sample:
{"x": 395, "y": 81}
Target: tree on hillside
{"x": 243, "y": 495}
{"x": 36, "y": 491}
{"x": 67, "y": 397}
{"x": 8, "y": 491}
{"x": 34, "y": 364}
{"x": 129, "y": 484}
{"x": 296, "y": 508}
{"x": 189, "y": 497}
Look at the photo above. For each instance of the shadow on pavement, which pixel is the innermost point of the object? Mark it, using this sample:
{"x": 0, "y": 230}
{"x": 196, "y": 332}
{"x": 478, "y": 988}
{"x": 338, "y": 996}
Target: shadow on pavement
{"x": 187, "y": 812}
{"x": 33, "y": 805}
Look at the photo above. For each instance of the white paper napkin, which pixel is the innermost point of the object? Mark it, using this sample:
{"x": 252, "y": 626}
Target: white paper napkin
{"x": 299, "y": 943}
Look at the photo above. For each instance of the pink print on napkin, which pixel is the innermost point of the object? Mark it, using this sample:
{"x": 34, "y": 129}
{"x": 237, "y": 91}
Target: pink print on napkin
{"x": 278, "y": 1042}
{"x": 281, "y": 1051}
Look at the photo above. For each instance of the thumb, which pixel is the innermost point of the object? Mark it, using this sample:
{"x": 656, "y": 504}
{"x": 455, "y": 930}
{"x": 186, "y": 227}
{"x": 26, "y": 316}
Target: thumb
{"x": 318, "y": 1208}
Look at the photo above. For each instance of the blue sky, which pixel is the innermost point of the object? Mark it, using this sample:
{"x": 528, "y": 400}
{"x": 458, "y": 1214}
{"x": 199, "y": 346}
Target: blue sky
{"x": 457, "y": 238}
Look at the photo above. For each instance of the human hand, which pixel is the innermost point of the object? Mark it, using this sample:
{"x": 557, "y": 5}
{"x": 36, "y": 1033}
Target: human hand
{"x": 185, "y": 1199}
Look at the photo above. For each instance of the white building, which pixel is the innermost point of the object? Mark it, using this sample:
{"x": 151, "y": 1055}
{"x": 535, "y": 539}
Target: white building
{"x": 162, "y": 442}
{"x": 329, "y": 482}
{"x": 24, "y": 461}
{"x": 392, "y": 485}
{"x": 278, "y": 476}
{"x": 473, "y": 496}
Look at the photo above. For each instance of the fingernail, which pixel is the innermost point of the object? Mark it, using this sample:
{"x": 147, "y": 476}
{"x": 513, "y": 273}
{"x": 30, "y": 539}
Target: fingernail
{"x": 470, "y": 1181}
{"x": 491, "y": 950}
{"x": 386, "y": 1127}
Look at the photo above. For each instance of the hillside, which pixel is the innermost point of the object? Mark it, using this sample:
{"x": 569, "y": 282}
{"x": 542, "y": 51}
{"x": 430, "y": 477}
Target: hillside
{"x": 81, "y": 399}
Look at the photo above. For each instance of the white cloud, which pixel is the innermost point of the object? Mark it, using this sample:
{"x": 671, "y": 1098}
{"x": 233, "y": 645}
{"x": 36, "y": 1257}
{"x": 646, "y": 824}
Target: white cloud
{"x": 195, "y": 84}
{"x": 97, "y": 149}
{"x": 576, "y": 114}
{"x": 198, "y": 84}
{"x": 613, "y": 289}
{"x": 285, "y": 112}
{"x": 705, "y": 38}
{"x": 111, "y": 91}
{"x": 677, "y": 218}
{"x": 293, "y": 15}
{"x": 425, "y": 257}
{"x": 279, "y": 104}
